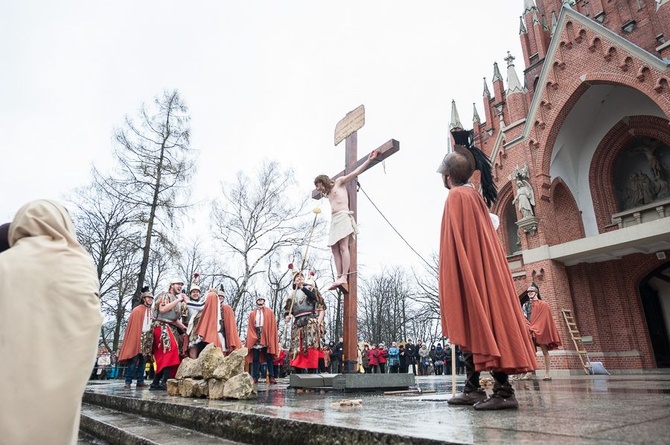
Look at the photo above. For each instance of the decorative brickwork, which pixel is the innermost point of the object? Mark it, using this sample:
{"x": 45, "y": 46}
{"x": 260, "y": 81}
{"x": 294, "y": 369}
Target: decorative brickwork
{"x": 589, "y": 47}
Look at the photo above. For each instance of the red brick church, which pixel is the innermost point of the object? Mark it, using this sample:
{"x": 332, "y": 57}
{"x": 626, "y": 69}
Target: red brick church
{"x": 580, "y": 144}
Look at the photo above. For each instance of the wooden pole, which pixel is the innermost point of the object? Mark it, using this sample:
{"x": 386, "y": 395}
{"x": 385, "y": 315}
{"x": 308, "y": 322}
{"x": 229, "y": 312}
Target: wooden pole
{"x": 350, "y": 357}
{"x": 453, "y": 370}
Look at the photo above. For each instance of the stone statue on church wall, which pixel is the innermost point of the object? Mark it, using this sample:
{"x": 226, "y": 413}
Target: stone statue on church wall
{"x": 524, "y": 198}
{"x": 643, "y": 179}
{"x": 649, "y": 150}
{"x": 638, "y": 191}
{"x": 661, "y": 188}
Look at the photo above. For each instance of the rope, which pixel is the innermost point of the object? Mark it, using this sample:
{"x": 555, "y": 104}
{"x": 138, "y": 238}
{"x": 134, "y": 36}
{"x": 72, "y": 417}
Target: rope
{"x": 394, "y": 229}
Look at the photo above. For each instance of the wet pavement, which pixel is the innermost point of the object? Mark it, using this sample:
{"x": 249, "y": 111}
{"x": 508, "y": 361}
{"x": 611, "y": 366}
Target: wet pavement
{"x": 616, "y": 409}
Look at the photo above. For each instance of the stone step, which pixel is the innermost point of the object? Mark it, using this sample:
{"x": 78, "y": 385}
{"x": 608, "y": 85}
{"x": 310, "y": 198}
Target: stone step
{"x": 248, "y": 421}
{"x": 353, "y": 382}
{"x": 87, "y": 439}
{"x": 116, "y": 427}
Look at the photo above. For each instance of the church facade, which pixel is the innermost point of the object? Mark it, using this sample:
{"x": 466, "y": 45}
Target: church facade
{"x": 580, "y": 145}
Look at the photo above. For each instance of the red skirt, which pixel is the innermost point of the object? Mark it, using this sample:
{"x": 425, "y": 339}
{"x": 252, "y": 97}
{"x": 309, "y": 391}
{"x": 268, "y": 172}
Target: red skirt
{"x": 310, "y": 360}
{"x": 169, "y": 357}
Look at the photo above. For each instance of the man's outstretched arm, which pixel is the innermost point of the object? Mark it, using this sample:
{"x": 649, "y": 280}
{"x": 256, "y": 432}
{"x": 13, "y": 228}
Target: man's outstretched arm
{"x": 346, "y": 178}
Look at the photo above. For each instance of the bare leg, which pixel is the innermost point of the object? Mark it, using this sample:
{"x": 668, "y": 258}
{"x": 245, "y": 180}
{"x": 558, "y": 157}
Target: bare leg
{"x": 547, "y": 361}
{"x": 345, "y": 257}
{"x": 337, "y": 256}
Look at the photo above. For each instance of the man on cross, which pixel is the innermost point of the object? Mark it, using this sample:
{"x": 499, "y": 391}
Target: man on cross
{"x": 342, "y": 223}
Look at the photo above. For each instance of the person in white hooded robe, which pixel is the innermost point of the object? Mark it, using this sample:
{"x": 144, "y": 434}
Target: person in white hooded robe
{"x": 49, "y": 336}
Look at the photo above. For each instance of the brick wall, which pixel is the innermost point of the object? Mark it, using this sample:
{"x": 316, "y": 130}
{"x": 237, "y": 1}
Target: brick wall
{"x": 604, "y": 297}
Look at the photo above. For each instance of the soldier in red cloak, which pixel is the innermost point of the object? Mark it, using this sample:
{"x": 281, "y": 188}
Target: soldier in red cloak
{"x": 479, "y": 306}
{"x": 132, "y": 353}
{"x": 262, "y": 339}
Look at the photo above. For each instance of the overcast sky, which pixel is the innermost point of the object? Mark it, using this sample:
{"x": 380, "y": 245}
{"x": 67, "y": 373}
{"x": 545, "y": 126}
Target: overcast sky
{"x": 263, "y": 80}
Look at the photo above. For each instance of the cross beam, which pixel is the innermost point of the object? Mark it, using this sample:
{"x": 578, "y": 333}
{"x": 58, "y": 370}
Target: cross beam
{"x": 385, "y": 150}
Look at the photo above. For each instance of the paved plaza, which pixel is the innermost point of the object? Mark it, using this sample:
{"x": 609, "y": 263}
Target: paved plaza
{"x": 617, "y": 409}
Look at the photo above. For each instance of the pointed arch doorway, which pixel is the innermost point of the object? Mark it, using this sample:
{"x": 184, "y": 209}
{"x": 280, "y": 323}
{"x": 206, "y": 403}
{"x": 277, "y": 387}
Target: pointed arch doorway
{"x": 655, "y": 296}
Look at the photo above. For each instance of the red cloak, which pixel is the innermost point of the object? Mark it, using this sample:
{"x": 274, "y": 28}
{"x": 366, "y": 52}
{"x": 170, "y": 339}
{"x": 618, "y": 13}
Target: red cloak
{"x": 232, "y": 337}
{"x": 479, "y": 307}
{"x": 542, "y": 325}
{"x": 208, "y": 324}
{"x": 132, "y": 338}
{"x": 269, "y": 336}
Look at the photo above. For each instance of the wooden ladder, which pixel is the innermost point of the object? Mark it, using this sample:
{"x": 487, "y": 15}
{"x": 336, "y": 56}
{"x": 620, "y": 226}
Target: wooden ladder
{"x": 577, "y": 339}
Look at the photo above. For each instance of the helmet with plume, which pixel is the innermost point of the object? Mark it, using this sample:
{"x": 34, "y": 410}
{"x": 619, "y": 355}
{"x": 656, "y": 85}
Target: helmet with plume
{"x": 463, "y": 144}
{"x": 311, "y": 279}
{"x": 294, "y": 273}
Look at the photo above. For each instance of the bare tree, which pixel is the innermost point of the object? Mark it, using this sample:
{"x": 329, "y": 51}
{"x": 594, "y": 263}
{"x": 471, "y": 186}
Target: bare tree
{"x": 280, "y": 280}
{"x": 255, "y": 220}
{"x": 154, "y": 163}
{"x": 427, "y": 301}
{"x": 162, "y": 257}
{"x": 384, "y": 313}
{"x": 193, "y": 260}
{"x": 106, "y": 228}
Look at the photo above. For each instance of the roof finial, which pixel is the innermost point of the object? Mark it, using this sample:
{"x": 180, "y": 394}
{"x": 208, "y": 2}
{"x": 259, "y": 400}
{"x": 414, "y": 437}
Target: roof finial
{"x": 496, "y": 72}
{"x": 487, "y": 93}
{"x": 475, "y": 115}
{"x": 513, "y": 82}
{"x": 455, "y": 120}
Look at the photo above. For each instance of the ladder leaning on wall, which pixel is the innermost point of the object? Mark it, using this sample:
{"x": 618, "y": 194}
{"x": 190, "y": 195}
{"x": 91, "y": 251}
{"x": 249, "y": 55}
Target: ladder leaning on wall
{"x": 577, "y": 340}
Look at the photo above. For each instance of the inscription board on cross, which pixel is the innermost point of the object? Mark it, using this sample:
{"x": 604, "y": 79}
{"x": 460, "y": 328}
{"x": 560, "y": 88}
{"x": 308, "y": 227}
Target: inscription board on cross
{"x": 346, "y": 130}
{"x": 352, "y": 122}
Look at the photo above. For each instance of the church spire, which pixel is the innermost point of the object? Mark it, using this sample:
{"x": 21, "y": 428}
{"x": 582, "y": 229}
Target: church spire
{"x": 487, "y": 93}
{"x": 475, "y": 115}
{"x": 496, "y": 72}
{"x": 515, "y": 102}
{"x": 455, "y": 120}
{"x": 536, "y": 19}
{"x": 498, "y": 87}
{"x": 513, "y": 83}
{"x": 522, "y": 26}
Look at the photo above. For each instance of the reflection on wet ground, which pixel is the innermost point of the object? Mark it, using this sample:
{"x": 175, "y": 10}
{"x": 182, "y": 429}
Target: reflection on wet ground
{"x": 617, "y": 409}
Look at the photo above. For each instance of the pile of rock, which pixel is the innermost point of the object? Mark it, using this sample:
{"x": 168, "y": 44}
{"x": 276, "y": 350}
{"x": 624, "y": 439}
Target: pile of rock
{"x": 213, "y": 376}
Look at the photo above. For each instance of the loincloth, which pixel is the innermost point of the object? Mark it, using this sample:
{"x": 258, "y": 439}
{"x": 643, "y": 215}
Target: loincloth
{"x": 342, "y": 224}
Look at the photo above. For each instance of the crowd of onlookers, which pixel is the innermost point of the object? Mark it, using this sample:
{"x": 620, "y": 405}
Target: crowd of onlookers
{"x": 400, "y": 357}
{"x": 108, "y": 367}
{"x": 405, "y": 357}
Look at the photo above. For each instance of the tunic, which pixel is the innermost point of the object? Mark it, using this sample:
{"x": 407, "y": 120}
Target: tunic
{"x": 478, "y": 303}
{"x": 167, "y": 337}
{"x": 305, "y": 331}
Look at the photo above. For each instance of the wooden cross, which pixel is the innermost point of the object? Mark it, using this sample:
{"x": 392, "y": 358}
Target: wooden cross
{"x": 346, "y": 130}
